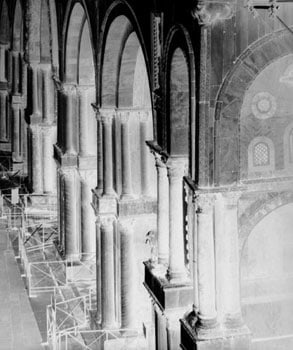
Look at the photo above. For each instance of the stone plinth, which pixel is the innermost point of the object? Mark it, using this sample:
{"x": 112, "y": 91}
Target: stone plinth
{"x": 167, "y": 295}
{"x": 218, "y": 340}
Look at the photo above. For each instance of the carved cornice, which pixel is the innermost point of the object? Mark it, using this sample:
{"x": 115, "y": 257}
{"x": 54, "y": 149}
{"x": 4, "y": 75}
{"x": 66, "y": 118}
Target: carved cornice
{"x": 208, "y": 12}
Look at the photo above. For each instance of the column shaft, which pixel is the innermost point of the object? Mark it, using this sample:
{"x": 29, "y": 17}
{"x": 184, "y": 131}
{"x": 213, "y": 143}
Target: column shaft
{"x": 128, "y": 278}
{"x": 107, "y": 155}
{"x": 2, "y": 63}
{"x": 46, "y": 96}
{"x": 37, "y": 164}
{"x": 100, "y": 155}
{"x": 3, "y": 116}
{"x": 87, "y": 221}
{"x": 107, "y": 276}
{"x": 16, "y": 133}
{"x": 162, "y": 212}
{"x": 145, "y": 162}
{"x": 83, "y": 121}
{"x": 70, "y": 209}
{"x": 206, "y": 263}
{"x": 126, "y": 160}
{"x": 230, "y": 275}
{"x": 70, "y": 115}
{"x": 16, "y": 77}
{"x": 176, "y": 270}
{"x": 49, "y": 175}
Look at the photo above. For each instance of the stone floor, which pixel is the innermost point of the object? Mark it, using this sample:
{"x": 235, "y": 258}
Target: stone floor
{"x": 18, "y": 326}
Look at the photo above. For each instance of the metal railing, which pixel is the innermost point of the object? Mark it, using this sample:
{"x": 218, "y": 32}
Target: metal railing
{"x": 45, "y": 276}
{"x": 122, "y": 339}
{"x": 82, "y": 271}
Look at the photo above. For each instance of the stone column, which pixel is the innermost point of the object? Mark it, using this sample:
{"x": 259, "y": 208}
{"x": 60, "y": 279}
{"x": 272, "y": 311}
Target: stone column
{"x": 2, "y": 63}
{"x": 16, "y": 132}
{"x": 49, "y": 175}
{"x": 88, "y": 238}
{"x": 162, "y": 212}
{"x": 70, "y": 209}
{"x": 176, "y": 270}
{"x": 69, "y": 91}
{"x": 16, "y": 77}
{"x": 128, "y": 277}
{"x": 207, "y": 315}
{"x": 126, "y": 156}
{"x": 35, "y": 96}
{"x": 107, "y": 272}
{"x": 230, "y": 260}
{"x": 10, "y": 67}
{"x": 48, "y": 97}
{"x": 3, "y": 116}
{"x": 145, "y": 162}
{"x": 106, "y": 119}
{"x": 37, "y": 164}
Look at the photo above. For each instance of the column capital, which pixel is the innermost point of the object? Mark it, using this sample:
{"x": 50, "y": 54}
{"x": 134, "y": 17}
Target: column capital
{"x": 106, "y": 115}
{"x": 68, "y": 89}
{"x": 144, "y": 115}
{"x": 208, "y": 12}
{"x": 231, "y": 198}
{"x": 204, "y": 202}
{"x": 106, "y": 221}
{"x": 81, "y": 89}
{"x": 126, "y": 225}
{"x": 177, "y": 167}
{"x": 124, "y": 116}
{"x": 160, "y": 162}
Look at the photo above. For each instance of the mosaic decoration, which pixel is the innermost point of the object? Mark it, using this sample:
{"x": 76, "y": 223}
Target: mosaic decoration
{"x": 263, "y": 105}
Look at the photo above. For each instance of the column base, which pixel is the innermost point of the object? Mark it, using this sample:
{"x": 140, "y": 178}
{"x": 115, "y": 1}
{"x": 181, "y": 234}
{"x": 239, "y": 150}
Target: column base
{"x": 194, "y": 338}
{"x": 177, "y": 277}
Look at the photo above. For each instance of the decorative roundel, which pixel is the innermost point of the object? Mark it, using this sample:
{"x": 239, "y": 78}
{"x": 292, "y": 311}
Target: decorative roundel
{"x": 264, "y": 105}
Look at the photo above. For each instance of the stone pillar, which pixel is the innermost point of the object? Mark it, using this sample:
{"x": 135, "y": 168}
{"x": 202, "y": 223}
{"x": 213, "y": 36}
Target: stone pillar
{"x": 146, "y": 184}
{"x": 69, "y": 91}
{"x": 37, "y": 164}
{"x": 83, "y": 120}
{"x": 106, "y": 119}
{"x": 16, "y": 133}
{"x": 230, "y": 261}
{"x": 207, "y": 315}
{"x": 70, "y": 209}
{"x": 126, "y": 156}
{"x": 100, "y": 181}
{"x": 10, "y": 67}
{"x": 3, "y": 116}
{"x": 35, "y": 95}
{"x": 48, "y": 97}
{"x": 2, "y": 63}
{"x": 176, "y": 270}
{"x": 16, "y": 77}
{"x": 162, "y": 212}
{"x": 107, "y": 273}
{"x": 49, "y": 175}
{"x": 128, "y": 277}
{"x": 87, "y": 216}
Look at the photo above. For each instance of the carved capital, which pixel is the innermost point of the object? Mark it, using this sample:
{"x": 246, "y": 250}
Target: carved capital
{"x": 208, "y": 12}
{"x": 144, "y": 115}
{"x": 204, "y": 203}
{"x": 69, "y": 89}
{"x": 106, "y": 222}
{"x": 231, "y": 199}
{"x": 124, "y": 116}
{"x": 106, "y": 115}
{"x": 176, "y": 168}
